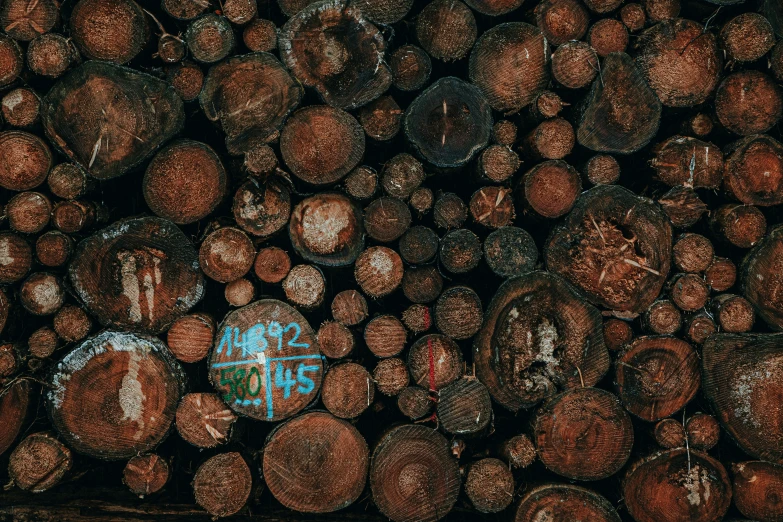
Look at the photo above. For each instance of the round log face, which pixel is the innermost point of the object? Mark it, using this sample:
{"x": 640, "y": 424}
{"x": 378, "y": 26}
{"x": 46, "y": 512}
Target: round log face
{"x": 266, "y": 363}
{"x": 115, "y": 395}
{"x": 316, "y": 463}
{"x": 140, "y": 274}
{"x": 330, "y": 46}
{"x": 677, "y": 486}
{"x": 413, "y": 475}
{"x": 327, "y": 229}
{"x": 449, "y": 122}
{"x": 108, "y": 118}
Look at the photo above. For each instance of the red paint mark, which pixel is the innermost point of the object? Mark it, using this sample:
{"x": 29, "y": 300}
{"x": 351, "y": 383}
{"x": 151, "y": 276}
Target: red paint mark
{"x": 427, "y": 319}
{"x": 432, "y": 365}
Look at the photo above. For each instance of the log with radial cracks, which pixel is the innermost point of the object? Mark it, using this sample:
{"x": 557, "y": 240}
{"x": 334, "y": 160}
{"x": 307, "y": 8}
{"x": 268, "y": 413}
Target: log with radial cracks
{"x": 139, "y": 274}
{"x": 115, "y": 395}
{"x": 538, "y": 337}
{"x": 331, "y": 47}
{"x": 743, "y": 382}
{"x": 615, "y": 247}
{"x": 449, "y": 122}
{"x": 250, "y": 96}
{"x": 622, "y": 113}
{"x": 108, "y": 118}
{"x": 316, "y": 463}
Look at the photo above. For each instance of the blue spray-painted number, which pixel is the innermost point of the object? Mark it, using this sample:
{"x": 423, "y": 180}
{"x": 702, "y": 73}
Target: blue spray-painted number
{"x": 254, "y": 339}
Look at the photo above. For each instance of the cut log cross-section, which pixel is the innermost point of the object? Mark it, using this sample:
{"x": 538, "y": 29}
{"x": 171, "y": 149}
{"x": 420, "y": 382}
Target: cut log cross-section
{"x": 266, "y": 363}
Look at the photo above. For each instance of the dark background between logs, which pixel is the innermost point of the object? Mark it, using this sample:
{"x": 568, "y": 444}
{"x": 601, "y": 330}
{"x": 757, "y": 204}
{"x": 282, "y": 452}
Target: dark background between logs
{"x": 100, "y": 482}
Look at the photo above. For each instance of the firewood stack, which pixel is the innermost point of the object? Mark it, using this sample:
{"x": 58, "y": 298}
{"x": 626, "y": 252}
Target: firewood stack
{"x": 418, "y": 261}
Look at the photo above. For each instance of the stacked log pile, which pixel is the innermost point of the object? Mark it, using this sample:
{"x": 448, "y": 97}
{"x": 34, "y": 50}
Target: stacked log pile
{"x": 391, "y": 259}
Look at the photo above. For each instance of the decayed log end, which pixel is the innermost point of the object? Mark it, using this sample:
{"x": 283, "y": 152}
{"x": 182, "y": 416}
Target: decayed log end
{"x": 677, "y": 485}
{"x": 261, "y": 209}
{"x": 615, "y": 247}
{"x": 754, "y": 171}
{"x": 689, "y": 162}
{"x": 449, "y": 122}
{"x": 146, "y": 474}
{"x": 250, "y": 95}
{"x": 510, "y": 251}
{"x": 316, "y": 463}
{"x": 111, "y": 30}
{"x": 565, "y": 502}
{"x": 203, "y": 420}
{"x": 583, "y": 434}
{"x": 222, "y": 484}
{"x": 266, "y": 363}
{"x": 39, "y": 462}
{"x": 622, "y": 113}
{"x": 331, "y": 47}
{"x": 760, "y": 278}
{"x": 538, "y": 337}
{"x": 108, "y": 118}
{"x": 14, "y": 402}
{"x": 184, "y": 182}
{"x": 327, "y": 229}
{"x": 509, "y": 63}
{"x": 115, "y": 395}
{"x": 742, "y": 381}
{"x": 757, "y": 490}
{"x": 680, "y": 61}
{"x": 321, "y": 144}
{"x": 140, "y": 274}
{"x": 657, "y": 376}
{"x": 490, "y": 485}
{"x": 413, "y": 476}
